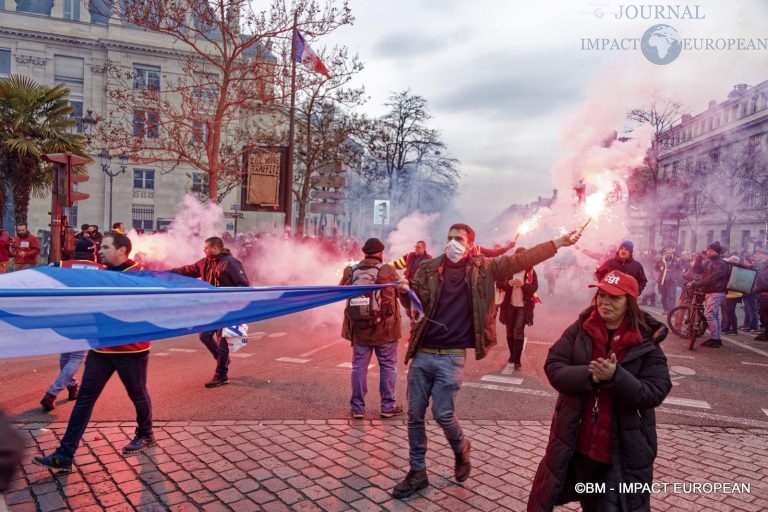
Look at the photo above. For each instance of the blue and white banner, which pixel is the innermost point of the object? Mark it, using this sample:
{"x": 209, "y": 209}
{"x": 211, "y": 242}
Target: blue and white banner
{"x": 48, "y": 310}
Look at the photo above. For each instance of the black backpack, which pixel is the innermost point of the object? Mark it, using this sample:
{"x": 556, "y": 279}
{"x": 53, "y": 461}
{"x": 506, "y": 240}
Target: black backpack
{"x": 364, "y": 311}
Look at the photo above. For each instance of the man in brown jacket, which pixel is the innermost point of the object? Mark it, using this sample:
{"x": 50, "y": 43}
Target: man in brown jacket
{"x": 379, "y": 336}
{"x": 457, "y": 292}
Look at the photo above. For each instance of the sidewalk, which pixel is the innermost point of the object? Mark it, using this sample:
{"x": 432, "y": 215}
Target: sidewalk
{"x": 339, "y": 465}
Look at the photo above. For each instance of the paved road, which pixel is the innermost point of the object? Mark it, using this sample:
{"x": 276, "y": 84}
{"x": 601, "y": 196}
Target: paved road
{"x": 277, "y": 437}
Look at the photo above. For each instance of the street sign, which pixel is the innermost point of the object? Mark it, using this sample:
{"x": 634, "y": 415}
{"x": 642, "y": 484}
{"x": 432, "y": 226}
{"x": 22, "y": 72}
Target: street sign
{"x": 328, "y": 194}
{"x": 327, "y": 208}
{"x": 233, "y": 215}
{"x": 328, "y": 181}
{"x": 330, "y": 168}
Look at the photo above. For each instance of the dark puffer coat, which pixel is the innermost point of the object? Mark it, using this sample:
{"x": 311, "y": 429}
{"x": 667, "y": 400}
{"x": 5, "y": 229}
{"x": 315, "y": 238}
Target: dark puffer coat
{"x": 640, "y": 384}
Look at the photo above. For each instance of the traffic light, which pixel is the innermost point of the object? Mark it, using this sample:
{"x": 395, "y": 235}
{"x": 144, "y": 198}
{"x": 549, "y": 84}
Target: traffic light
{"x": 73, "y": 195}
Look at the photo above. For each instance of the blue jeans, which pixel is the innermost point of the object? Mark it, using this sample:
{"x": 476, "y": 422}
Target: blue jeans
{"x": 361, "y": 357}
{"x": 218, "y": 347}
{"x": 712, "y": 304}
{"x": 132, "y": 370}
{"x": 438, "y": 376}
{"x": 69, "y": 363}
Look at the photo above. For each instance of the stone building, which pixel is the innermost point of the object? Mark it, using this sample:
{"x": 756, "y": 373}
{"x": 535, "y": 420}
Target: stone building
{"x": 69, "y": 42}
{"x": 713, "y": 178}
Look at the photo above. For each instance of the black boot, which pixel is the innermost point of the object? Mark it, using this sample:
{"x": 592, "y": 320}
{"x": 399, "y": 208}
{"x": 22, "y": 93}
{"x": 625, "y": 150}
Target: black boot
{"x": 511, "y": 345}
{"x": 517, "y": 352}
{"x": 48, "y": 402}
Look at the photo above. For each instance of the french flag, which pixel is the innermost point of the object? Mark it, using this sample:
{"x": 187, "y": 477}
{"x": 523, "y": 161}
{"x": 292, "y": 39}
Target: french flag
{"x": 305, "y": 55}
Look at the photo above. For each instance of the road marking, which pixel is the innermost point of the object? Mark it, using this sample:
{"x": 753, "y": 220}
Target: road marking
{"x": 506, "y": 388}
{"x": 276, "y": 334}
{"x": 187, "y": 350}
{"x": 503, "y": 380}
{"x": 240, "y": 355}
{"x": 750, "y": 363}
{"x": 678, "y": 356}
{"x": 747, "y": 347}
{"x": 705, "y": 415}
{"x": 159, "y": 354}
{"x": 765, "y": 411}
{"x": 349, "y": 365}
{"x": 291, "y": 360}
{"x": 547, "y": 343}
{"x": 685, "y": 402}
{"x": 682, "y": 370}
{"x": 318, "y": 349}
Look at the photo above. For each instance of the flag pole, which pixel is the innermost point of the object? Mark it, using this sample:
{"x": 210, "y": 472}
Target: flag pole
{"x": 288, "y": 189}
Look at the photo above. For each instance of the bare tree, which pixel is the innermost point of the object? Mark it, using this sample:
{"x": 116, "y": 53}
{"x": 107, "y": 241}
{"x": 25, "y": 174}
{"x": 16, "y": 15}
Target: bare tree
{"x": 660, "y": 114}
{"x": 325, "y": 123}
{"x": 229, "y": 97}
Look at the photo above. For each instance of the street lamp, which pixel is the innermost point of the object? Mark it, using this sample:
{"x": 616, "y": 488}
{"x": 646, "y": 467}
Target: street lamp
{"x": 89, "y": 124}
{"x": 106, "y": 159}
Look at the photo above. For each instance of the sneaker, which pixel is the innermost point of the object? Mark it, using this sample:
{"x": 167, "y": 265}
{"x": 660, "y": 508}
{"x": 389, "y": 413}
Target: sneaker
{"x": 712, "y": 343}
{"x": 48, "y": 402}
{"x": 761, "y": 337}
{"x": 139, "y": 444}
{"x": 398, "y": 410}
{"x": 53, "y": 462}
{"x": 73, "y": 391}
{"x": 356, "y": 415}
{"x": 217, "y": 381}
{"x": 414, "y": 481}
{"x": 518, "y": 366}
{"x": 463, "y": 464}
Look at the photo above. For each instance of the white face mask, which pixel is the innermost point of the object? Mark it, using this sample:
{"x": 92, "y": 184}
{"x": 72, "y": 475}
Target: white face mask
{"x": 454, "y": 251}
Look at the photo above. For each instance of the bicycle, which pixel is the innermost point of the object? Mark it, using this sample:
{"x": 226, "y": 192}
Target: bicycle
{"x": 687, "y": 320}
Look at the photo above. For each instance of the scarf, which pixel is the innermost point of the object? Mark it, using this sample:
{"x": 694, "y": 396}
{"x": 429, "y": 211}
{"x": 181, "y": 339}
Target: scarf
{"x": 594, "y": 439}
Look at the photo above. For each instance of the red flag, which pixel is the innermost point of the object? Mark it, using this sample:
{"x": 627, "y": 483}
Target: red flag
{"x": 306, "y": 56}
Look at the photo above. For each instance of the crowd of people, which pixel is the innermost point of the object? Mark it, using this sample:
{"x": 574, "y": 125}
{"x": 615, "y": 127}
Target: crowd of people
{"x": 607, "y": 367}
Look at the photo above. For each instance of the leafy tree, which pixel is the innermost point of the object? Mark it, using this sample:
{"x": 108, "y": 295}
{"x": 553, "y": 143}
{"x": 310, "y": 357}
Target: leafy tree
{"x": 34, "y": 120}
{"x": 229, "y": 97}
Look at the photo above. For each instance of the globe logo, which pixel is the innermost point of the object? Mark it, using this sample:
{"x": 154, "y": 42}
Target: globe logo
{"x": 661, "y": 44}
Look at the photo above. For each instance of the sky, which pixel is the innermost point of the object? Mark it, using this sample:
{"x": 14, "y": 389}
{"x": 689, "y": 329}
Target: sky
{"x": 515, "y": 96}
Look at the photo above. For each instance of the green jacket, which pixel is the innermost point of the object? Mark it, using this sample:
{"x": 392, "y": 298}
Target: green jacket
{"x": 482, "y": 274}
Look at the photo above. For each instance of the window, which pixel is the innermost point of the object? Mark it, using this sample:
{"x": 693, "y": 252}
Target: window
{"x": 77, "y": 115}
{"x": 34, "y": 7}
{"x": 144, "y": 178}
{"x": 68, "y": 70}
{"x": 146, "y": 78}
{"x": 206, "y": 86}
{"x": 724, "y": 238}
{"x": 143, "y": 216}
{"x": 710, "y": 237}
{"x": 745, "y": 238}
{"x": 675, "y": 169}
{"x": 199, "y": 182}
{"x": 199, "y": 132}
{"x": 682, "y": 239}
{"x": 163, "y": 224}
{"x": 755, "y": 140}
{"x": 72, "y": 9}
{"x": 146, "y": 124}
{"x": 5, "y": 62}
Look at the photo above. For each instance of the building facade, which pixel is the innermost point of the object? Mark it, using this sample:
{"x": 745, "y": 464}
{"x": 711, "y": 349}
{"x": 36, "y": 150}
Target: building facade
{"x": 713, "y": 178}
{"x": 63, "y": 42}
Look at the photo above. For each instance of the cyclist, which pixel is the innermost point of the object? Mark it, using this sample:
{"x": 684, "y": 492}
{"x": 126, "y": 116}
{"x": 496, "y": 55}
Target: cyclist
{"x": 713, "y": 281}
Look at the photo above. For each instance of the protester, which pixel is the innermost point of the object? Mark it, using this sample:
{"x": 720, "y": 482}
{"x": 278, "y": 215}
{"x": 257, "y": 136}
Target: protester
{"x": 5, "y": 251}
{"x": 129, "y": 361}
{"x": 85, "y": 248}
{"x": 728, "y": 309}
{"x": 118, "y": 227}
{"x": 610, "y": 373}
{"x": 381, "y": 337}
{"x": 761, "y": 289}
{"x": 456, "y": 290}
{"x": 69, "y": 362}
{"x": 11, "y": 450}
{"x": 410, "y": 262}
{"x": 27, "y": 248}
{"x": 624, "y": 262}
{"x": 714, "y": 278}
{"x": 669, "y": 272}
{"x": 516, "y": 310}
{"x": 218, "y": 268}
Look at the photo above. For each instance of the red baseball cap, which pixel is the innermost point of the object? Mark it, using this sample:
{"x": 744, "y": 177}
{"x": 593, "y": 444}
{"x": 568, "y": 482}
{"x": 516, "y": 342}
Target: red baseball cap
{"x": 618, "y": 283}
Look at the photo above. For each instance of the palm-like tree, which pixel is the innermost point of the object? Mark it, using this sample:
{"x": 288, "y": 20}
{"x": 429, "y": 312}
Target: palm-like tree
{"x": 34, "y": 120}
